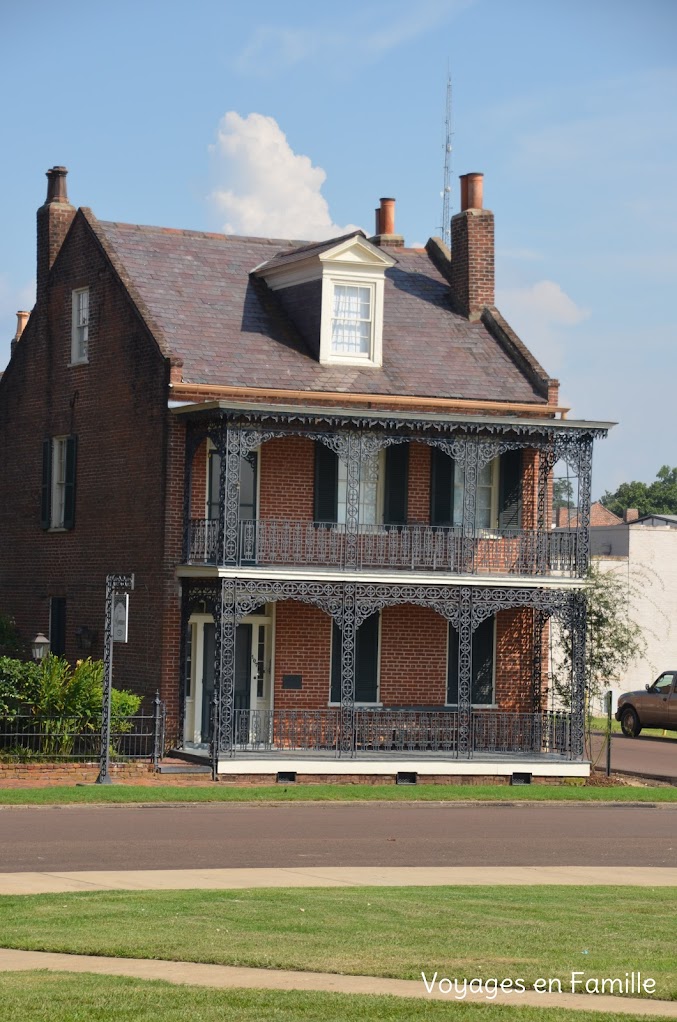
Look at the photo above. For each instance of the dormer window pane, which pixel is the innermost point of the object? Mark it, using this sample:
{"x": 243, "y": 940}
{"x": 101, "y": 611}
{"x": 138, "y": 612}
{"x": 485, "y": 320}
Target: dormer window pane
{"x": 351, "y": 320}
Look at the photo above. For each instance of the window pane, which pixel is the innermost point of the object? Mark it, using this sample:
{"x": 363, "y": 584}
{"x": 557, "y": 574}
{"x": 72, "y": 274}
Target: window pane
{"x": 351, "y": 320}
{"x": 369, "y": 476}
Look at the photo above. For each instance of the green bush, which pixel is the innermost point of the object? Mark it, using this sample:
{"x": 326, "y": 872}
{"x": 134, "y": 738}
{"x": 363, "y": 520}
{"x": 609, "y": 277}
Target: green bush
{"x": 11, "y": 643}
{"x": 18, "y": 684}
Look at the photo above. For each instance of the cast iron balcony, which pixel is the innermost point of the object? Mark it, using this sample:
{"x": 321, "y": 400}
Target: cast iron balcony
{"x": 421, "y": 548}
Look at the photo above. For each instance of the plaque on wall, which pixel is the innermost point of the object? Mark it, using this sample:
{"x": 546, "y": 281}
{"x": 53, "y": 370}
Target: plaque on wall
{"x": 292, "y": 681}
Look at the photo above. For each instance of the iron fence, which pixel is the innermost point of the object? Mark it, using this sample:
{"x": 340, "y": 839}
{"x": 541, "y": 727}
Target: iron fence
{"x": 419, "y": 730}
{"x": 270, "y": 542}
{"x": 26, "y": 737}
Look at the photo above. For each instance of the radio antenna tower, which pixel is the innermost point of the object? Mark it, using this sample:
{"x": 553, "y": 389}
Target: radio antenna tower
{"x": 445, "y": 227}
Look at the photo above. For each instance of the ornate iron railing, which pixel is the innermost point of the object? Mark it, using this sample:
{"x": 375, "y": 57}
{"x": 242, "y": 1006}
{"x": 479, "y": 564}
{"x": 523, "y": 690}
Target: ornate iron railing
{"x": 25, "y": 738}
{"x": 416, "y": 730}
{"x": 269, "y": 542}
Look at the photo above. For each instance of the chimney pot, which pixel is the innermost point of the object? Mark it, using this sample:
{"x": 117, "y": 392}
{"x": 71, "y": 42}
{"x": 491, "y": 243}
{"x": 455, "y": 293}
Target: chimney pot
{"x": 377, "y": 229}
{"x": 56, "y": 185}
{"x": 387, "y": 216}
{"x": 21, "y": 320}
{"x": 472, "y": 188}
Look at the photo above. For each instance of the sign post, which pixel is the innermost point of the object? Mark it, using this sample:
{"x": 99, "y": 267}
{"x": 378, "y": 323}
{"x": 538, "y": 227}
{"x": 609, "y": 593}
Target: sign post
{"x": 117, "y": 614}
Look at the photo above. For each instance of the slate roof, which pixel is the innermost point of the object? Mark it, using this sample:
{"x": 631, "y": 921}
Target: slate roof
{"x": 229, "y": 329}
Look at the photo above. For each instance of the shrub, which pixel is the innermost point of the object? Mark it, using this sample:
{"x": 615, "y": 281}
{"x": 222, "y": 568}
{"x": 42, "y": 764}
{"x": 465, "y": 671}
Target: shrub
{"x": 18, "y": 684}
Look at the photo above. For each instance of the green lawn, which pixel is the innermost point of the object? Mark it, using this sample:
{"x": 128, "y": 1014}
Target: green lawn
{"x": 600, "y": 724}
{"x": 67, "y": 997}
{"x": 526, "y": 932}
{"x": 336, "y": 793}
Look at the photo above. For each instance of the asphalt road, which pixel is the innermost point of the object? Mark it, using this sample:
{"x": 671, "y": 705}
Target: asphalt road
{"x": 645, "y": 755}
{"x": 221, "y": 836}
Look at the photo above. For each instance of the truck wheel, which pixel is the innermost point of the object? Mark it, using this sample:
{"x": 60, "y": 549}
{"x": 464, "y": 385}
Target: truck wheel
{"x": 630, "y": 725}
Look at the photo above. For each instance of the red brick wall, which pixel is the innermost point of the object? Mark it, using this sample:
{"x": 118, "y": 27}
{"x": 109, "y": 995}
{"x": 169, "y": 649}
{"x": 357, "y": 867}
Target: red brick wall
{"x": 514, "y": 662}
{"x": 287, "y": 474}
{"x": 302, "y": 646}
{"x": 413, "y": 656}
{"x": 116, "y": 405}
{"x": 199, "y": 481}
{"x": 418, "y": 508}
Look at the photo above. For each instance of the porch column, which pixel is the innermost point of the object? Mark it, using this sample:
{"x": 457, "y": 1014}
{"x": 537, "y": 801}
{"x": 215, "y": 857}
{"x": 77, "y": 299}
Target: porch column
{"x": 539, "y": 619}
{"x": 583, "y": 524}
{"x": 465, "y": 630}
{"x": 546, "y": 463}
{"x": 229, "y": 493}
{"x": 578, "y": 680}
{"x": 353, "y": 451}
{"x": 348, "y": 636}
{"x": 225, "y": 610}
{"x": 469, "y": 504}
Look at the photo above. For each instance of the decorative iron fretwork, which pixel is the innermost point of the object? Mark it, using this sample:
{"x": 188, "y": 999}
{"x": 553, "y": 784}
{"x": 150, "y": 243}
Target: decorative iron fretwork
{"x": 538, "y": 631}
{"x": 114, "y": 584}
{"x": 469, "y": 504}
{"x": 348, "y": 637}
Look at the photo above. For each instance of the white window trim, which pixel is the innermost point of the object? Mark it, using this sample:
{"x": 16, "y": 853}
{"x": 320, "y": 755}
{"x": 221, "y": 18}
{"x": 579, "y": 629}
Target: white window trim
{"x": 474, "y": 706}
{"x": 76, "y": 357}
{"x": 58, "y": 487}
{"x": 358, "y": 276}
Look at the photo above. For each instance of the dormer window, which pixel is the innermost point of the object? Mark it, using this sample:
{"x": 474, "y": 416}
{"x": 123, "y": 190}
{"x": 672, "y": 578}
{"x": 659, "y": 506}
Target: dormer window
{"x": 351, "y": 323}
{"x": 333, "y": 291}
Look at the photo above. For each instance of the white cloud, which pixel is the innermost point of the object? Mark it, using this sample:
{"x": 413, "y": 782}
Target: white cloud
{"x": 268, "y": 190}
{"x": 273, "y": 48}
{"x": 539, "y": 313}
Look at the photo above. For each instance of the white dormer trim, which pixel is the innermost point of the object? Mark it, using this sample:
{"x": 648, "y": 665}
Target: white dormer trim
{"x": 353, "y": 262}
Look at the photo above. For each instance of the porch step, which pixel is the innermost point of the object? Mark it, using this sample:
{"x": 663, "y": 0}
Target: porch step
{"x": 178, "y": 766}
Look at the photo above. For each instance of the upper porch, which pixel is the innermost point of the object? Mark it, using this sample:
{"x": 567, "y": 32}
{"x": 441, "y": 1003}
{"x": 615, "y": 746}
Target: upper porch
{"x": 354, "y": 491}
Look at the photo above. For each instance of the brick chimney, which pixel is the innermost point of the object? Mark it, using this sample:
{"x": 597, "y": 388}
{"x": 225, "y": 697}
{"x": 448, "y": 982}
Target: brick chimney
{"x": 631, "y": 514}
{"x": 54, "y": 219}
{"x": 472, "y": 250}
{"x": 385, "y": 226}
{"x": 21, "y": 320}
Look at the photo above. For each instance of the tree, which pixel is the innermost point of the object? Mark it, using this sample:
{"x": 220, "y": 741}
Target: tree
{"x": 562, "y": 493}
{"x": 613, "y": 639}
{"x": 658, "y": 498}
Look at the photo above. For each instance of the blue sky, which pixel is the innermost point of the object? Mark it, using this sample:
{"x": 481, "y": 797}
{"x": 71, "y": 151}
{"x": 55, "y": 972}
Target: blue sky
{"x": 295, "y": 118}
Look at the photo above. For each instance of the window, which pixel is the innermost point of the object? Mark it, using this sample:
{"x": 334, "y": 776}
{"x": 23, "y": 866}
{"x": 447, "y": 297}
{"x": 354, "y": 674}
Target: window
{"x": 351, "y": 321}
{"x": 383, "y": 486}
{"x": 366, "y": 661}
{"x": 498, "y": 492}
{"x": 58, "y": 482}
{"x": 248, "y": 483}
{"x": 483, "y": 665}
{"x": 80, "y": 328}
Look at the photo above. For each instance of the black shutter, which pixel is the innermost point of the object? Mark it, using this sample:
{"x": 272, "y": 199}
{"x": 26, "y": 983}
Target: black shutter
{"x": 396, "y": 485}
{"x": 452, "y": 667}
{"x": 69, "y": 489}
{"x": 46, "y": 496}
{"x": 509, "y": 490}
{"x": 326, "y": 484}
{"x": 483, "y": 663}
{"x": 441, "y": 488}
{"x": 482, "y": 689}
{"x": 214, "y": 474}
{"x": 366, "y": 661}
{"x": 57, "y": 625}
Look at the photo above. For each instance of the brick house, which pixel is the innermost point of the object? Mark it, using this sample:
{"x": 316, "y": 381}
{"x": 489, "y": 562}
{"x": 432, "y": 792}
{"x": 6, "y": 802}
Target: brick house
{"x": 329, "y": 467}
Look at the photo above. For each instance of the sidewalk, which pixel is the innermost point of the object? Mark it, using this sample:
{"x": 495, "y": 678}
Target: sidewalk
{"x": 224, "y": 977}
{"x": 332, "y": 876}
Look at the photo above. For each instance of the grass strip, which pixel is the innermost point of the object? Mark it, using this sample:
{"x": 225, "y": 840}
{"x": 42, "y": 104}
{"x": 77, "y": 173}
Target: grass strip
{"x": 463, "y": 932}
{"x": 600, "y": 724}
{"x": 220, "y": 792}
{"x": 70, "y": 997}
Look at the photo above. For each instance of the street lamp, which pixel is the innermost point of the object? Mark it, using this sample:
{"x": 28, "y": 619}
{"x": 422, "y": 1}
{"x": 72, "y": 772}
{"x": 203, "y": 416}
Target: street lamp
{"x": 40, "y": 647}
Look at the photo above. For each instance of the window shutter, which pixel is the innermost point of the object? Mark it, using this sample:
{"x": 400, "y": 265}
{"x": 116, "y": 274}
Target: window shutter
{"x": 483, "y": 662}
{"x": 509, "y": 490}
{"x": 326, "y": 484}
{"x": 482, "y": 689}
{"x": 396, "y": 485}
{"x": 441, "y": 488}
{"x": 46, "y": 495}
{"x": 366, "y": 661}
{"x": 69, "y": 489}
{"x": 214, "y": 474}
